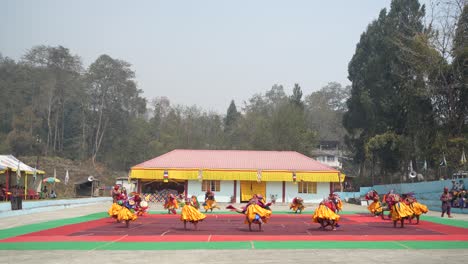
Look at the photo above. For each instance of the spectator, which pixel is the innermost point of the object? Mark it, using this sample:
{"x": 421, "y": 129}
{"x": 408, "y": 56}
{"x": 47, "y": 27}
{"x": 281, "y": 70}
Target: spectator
{"x": 45, "y": 192}
{"x": 53, "y": 194}
{"x": 446, "y": 197}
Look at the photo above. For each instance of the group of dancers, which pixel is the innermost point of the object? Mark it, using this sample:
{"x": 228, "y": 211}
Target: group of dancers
{"x": 400, "y": 208}
{"x": 126, "y": 208}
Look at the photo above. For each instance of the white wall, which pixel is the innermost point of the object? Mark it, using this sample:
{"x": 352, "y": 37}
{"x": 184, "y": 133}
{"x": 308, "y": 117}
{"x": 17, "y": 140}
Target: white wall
{"x": 274, "y": 188}
{"x": 227, "y": 188}
{"x": 223, "y": 196}
{"x": 323, "y": 190}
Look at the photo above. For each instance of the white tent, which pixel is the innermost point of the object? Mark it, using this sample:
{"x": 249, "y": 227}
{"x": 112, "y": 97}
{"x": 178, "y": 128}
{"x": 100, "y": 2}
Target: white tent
{"x": 10, "y": 162}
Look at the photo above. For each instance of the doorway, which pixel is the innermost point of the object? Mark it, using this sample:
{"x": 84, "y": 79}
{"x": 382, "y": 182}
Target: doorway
{"x": 249, "y": 188}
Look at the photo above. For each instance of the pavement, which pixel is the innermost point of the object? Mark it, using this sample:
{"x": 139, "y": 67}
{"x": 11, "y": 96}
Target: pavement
{"x": 257, "y": 256}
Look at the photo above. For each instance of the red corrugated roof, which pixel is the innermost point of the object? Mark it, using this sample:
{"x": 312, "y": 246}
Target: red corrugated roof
{"x": 235, "y": 160}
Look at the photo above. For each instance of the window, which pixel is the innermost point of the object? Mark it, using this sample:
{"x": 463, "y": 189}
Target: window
{"x": 330, "y": 158}
{"x": 210, "y": 185}
{"x": 306, "y": 187}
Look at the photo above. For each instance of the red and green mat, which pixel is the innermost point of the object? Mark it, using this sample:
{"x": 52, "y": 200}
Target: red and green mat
{"x": 159, "y": 231}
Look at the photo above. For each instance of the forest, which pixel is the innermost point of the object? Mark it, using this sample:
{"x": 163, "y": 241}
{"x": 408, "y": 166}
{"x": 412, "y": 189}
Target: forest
{"x": 407, "y": 104}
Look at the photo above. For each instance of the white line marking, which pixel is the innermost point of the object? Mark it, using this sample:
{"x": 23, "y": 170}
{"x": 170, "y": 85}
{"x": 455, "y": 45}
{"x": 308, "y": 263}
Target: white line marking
{"x": 252, "y": 244}
{"x": 209, "y": 238}
{"x": 165, "y": 232}
{"x": 401, "y": 245}
{"x": 116, "y": 240}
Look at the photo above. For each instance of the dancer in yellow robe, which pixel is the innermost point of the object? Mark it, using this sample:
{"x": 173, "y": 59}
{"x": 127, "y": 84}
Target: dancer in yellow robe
{"x": 297, "y": 205}
{"x": 191, "y": 214}
{"x": 325, "y": 215}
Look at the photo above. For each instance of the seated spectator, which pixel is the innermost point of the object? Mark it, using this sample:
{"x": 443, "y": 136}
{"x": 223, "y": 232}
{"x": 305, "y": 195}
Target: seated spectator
{"x": 45, "y": 192}
{"x": 53, "y": 194}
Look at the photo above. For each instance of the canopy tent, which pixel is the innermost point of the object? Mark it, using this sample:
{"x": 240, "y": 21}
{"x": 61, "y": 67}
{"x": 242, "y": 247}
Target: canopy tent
{"x": 8, "y": 164}
{"x": 288, "y": 166}
{"x": 12, "y": 163}
{"x": 2, "y": 168}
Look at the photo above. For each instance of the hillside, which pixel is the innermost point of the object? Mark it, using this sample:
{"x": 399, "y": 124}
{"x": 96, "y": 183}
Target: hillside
{"x": 78, "y": 172}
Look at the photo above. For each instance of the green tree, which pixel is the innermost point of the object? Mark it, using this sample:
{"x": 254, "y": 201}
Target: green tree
{"x": 389, "y": 94}
{"x": 114, "y": 99}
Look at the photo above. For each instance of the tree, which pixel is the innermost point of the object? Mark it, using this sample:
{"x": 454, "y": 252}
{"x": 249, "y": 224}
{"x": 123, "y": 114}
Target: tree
{"x": 57, "y": 74}
{"x": 389, "y": 93}
{"x": 296, "y": 97}
{"x": 114, "y": 99}
{"x": 325, "y": 109}
{"x": 231, "y": 125}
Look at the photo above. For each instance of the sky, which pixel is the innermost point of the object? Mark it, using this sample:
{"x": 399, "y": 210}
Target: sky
{"x": 204, "y": 52}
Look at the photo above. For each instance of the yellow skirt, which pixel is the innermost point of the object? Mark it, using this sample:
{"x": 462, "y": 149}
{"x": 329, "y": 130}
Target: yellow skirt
{"x": 323, "y": 212}
{"x": 375, "y": 207}
{"x": 114, "y": 210}
{"x": 401, "y": 210}
{"x": 419, "y": 208}
{"x": 253, "y": 210}
{"x": 191, "y": 214}
{"x": 296, "y": 207}
{"x": 125, "y": 214}
{"x": 210, "y": 204}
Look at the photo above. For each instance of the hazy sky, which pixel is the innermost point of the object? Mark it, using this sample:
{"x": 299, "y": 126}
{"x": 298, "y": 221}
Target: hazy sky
{"x": 203, "y": 52}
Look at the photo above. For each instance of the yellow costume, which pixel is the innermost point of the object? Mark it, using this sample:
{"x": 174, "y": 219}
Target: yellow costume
{"x": 191, "y": 214}
{"x": 210, "y": 205}
{"x": 400, "y": 210}
{"x": 253, "y": 210}
{"x": 297, "y": 205}
{"x": 375, "y": 208}
{"x": 114, "y": 210}
{"x": 126, "y": 215}
{"x": 323, "y": 212}
{"x": 418, "y": 208}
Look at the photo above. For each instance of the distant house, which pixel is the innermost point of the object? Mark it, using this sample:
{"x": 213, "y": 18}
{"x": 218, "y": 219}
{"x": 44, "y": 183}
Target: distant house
{"x": 235, "y": 175}
{"x": 328, "y": 153}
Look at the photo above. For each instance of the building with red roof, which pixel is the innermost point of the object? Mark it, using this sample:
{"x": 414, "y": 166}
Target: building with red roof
{"x": 235, "y": 175}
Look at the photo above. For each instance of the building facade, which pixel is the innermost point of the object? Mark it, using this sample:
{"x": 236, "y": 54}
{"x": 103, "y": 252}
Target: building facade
{"x": 235, "y": 175}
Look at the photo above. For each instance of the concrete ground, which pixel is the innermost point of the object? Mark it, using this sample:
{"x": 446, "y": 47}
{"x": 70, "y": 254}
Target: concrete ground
{"x": 218, "y": 256}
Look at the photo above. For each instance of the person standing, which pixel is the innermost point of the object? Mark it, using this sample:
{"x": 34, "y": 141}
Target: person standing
{"x": 446, "y": 198}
